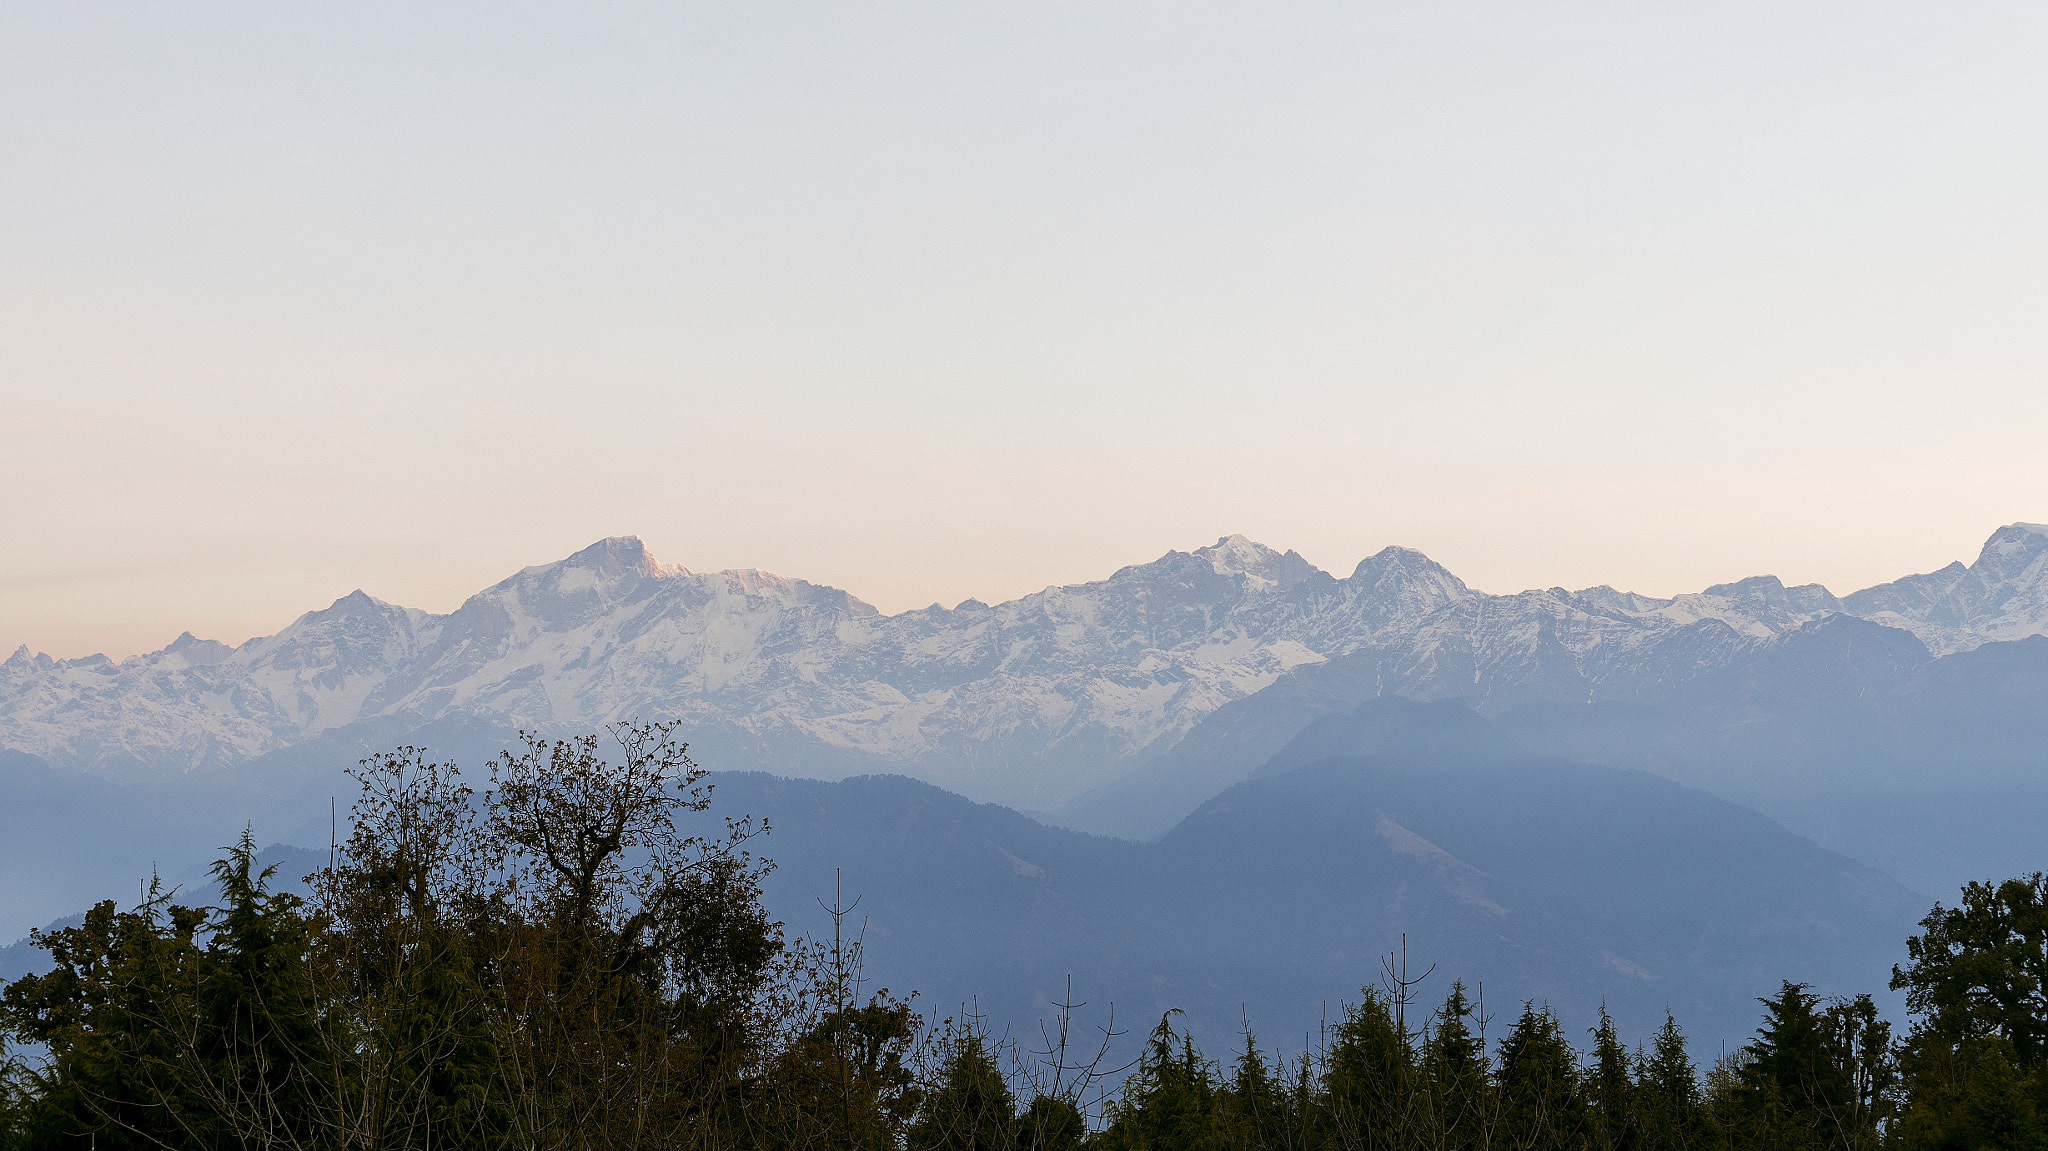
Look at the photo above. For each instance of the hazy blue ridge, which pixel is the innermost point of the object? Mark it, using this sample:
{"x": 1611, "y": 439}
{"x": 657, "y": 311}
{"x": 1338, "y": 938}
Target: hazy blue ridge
{"x": 1540, "y": 878}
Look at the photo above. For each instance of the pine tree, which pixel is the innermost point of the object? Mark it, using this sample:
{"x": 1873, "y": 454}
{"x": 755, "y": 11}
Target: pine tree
{"x": 971, "y": 1109}
{"x": 1667, "y": 1094}
{"x": 1610, "y": 1090}
{"x": 1256, "y": 1106}
{"x": 1539, "y": 1086}
{"x": 1172, "y": 1101}
{"x": 259, "y": 1054}
{"x": 1455, "y": 1073}
{"x": 1370, "y": 1085}
{"x": 1051, "y": 1124}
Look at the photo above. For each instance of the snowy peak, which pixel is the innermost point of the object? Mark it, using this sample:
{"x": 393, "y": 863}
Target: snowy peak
{"x": 1401, "y": 586}
{"x": 198, "y": 652}
{"x": 755, "y": 582}
{"x": 2004, "y": 595}
{"x": 2013, "y": 552}
{"x": 1760, "y": 605}
{"x": 1028, "y": 701}
{"x": 1407, "y": 571}
{"x": 619, "y": 556}
{"x": 1239, "y": 555}
{"x": 620, "y": 561}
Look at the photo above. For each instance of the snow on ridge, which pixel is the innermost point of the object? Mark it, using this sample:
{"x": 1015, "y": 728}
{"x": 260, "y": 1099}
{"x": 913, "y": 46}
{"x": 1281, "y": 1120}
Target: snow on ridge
{"x": 2002, "y": 596}
{"x": 1037, "y": 697}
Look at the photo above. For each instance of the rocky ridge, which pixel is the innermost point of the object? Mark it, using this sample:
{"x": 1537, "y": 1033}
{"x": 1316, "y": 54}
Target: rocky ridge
{"x": 1027, "y": 702}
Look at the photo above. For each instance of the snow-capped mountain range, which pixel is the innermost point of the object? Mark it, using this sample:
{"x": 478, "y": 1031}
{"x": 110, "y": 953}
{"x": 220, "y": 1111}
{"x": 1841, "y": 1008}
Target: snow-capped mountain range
{"x": 1028, "y": 702}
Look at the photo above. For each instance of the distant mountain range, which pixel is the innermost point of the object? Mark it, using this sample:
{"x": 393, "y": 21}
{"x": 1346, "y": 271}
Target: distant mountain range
{"x": 1295, "y": 768}
{"x": 1032, "y": 703}
{"x": 1528, "y": 877}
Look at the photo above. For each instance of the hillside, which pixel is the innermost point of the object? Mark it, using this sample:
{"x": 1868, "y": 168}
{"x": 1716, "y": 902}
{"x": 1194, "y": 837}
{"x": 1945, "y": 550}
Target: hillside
{"x": 1539, "y": 878}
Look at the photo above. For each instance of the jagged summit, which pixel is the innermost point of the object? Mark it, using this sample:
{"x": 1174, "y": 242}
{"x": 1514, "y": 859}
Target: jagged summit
{"x": 1241, "y": 555}
{"x": 2014, "y": 546}
{"x": 2004, "y": 595}
{"x": 613, "y": 555}
{"x": 1407, "y": 565}
{"x": 196, "y": 651}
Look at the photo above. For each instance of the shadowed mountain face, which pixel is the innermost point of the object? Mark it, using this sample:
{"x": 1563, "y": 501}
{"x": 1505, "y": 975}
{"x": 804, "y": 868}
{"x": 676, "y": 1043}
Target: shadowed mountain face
{"x": 1533, "y": 877}
{"x": 1032, "y": 702}
{"x": 1934, "y": 769}
{"x": 1537, "y": 877}
{"x": 1853, "y": 733}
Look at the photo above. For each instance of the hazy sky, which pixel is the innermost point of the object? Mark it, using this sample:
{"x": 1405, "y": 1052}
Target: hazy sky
{"x": 939, "y": 300}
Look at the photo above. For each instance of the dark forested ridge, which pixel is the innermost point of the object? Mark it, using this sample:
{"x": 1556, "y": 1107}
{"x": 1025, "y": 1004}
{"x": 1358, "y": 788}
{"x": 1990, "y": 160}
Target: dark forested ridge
{"x": 583, "y": 955}
{"x": 1530, "y": 877}
{"x": 1539, "y": 878}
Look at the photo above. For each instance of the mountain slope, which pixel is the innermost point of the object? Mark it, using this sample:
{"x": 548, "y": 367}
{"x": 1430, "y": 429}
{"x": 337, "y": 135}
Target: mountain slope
{"x": 1032, "y": 702}
{"x": 1534, "y": 877}
{"x": 1539, "y": 878}
{"x": 2003, "y": 596}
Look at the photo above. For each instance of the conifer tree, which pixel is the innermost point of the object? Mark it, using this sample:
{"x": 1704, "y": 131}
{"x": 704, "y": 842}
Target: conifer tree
{"x": 1051, "y": 1124}
{"x": 1371, "y": 1079}
{"x": 971, "y": 1108}
{"x": 1256, "y": 1105}
{"x": 1610, "y": 1090}
{"x": 1171, "y": 1101}
{"x": 1455, "y": 1073}
{"x": 1540, "y": 1109}
{"x": 1667, "y": 1094}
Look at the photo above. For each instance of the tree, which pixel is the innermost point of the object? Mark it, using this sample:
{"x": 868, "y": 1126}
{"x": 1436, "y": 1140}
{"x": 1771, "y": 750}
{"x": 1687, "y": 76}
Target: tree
{"x": 847, "y": 1083}
{"x": 1818, "y": 1074}
{"x": 1981, "y": 968}
{"x": 171, "y": 1026}
{"x": 1255, "y": 1105}
{"x": 1611, "y": 1090}
{"x": 1967, "y": 1095}
{"x": 1171, "y": 1100}
{"x": 110, "y": 1011}
{"x": 559, "y": 963}
{"x": 1051, "y": 1123}
{"x": 1974, "y": 1066}
{"x": 1667, "y": 1094}
{"x": 1539, "y": 1086}
{"x": 1370, "y": 1083}
{"x": 971, "y": 1108}
{"x": 1455, "y": 1071}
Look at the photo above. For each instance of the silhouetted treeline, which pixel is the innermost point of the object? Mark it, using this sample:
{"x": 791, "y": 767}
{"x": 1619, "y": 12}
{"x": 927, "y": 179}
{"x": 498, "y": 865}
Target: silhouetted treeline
{"x": 553, "y": 964}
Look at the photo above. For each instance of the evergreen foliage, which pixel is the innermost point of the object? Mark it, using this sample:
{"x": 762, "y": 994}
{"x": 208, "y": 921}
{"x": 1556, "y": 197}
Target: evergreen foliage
{"x": 553, "y": 964}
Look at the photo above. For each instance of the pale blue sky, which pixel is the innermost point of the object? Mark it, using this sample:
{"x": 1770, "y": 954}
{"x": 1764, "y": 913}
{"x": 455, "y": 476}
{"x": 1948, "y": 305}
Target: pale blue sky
{"x": 931, "y": 301}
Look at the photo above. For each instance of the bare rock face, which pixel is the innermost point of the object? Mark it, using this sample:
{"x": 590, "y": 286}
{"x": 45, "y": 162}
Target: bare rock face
{"x": 1029, "y": 702}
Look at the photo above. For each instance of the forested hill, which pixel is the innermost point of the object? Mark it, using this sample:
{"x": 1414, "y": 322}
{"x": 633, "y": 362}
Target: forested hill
{"x": 582, "y": 956}
{"x": 1534, "y": 877}
{"x": 1538, "y": 878}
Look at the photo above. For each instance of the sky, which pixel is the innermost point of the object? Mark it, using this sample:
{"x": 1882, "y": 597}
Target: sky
{"x": 931, "y": 301}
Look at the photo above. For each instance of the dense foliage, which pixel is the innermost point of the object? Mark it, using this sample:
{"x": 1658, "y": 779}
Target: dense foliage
{"x": 553, "y": 964}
